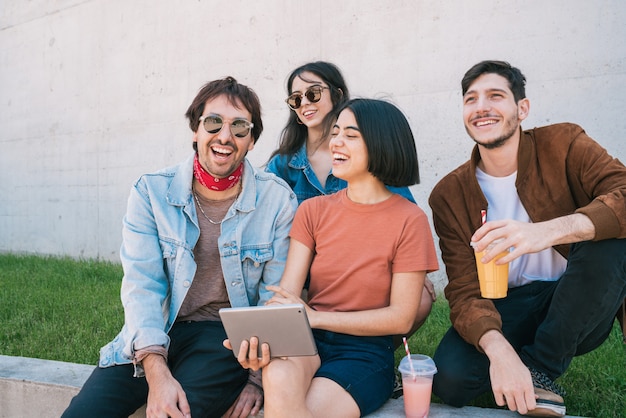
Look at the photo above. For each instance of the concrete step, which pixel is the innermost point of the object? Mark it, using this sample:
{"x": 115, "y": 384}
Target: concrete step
{"x": 32, "y": 387}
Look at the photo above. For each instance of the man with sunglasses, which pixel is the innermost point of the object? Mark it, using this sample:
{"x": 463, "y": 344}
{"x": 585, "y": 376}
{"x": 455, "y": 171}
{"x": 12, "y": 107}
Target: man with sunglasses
{"x": 209, "y": 233}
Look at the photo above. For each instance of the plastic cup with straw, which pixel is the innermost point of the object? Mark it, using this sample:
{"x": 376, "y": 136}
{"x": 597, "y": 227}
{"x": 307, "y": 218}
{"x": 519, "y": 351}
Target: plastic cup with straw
{"x": 417, "y": 380}
{"x": 493, "y": 278}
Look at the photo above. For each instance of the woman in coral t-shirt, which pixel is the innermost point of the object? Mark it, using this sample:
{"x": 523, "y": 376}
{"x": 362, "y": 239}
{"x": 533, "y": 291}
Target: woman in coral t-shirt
{"x": 368, "y": 251}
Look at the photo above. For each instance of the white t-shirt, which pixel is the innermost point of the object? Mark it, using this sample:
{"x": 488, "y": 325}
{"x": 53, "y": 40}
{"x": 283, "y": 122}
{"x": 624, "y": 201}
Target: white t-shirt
{"x": 504, "y": 203}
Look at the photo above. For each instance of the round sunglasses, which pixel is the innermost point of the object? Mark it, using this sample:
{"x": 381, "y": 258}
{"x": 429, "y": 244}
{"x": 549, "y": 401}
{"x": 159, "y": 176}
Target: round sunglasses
{"x": 313, "y": 95}
{"x": 238, "y": 127}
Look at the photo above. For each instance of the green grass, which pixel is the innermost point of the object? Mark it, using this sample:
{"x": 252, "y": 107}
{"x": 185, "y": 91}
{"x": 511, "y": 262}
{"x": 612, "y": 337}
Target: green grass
{"x": 58, "y": 309}
{"x": 63, "y": 309}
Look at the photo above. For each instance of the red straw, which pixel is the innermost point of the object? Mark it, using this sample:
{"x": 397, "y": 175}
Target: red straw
{"x": 408, "y": 353}
{"x": 483, "y": 216}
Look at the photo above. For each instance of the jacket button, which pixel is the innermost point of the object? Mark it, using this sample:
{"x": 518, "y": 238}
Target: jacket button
{"x": 256, "y": 264}
{"x": 186, "y": 283}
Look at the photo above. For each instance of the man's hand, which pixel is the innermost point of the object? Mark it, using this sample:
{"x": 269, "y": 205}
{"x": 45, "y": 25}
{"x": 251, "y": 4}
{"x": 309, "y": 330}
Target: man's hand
{"x": 249, "y": 402}
{"x": 527, "y": 238}
{"x": 510, "y": 378}
{"x": 166, "y": 397}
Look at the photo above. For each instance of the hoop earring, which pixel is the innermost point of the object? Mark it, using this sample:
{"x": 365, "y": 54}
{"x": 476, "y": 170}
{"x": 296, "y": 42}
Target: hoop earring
{"x": 299, "y": 121}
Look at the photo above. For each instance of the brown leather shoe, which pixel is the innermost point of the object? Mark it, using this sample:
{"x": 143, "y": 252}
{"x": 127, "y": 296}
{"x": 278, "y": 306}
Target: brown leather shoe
{"x": 549, "y": 404}
{"x": 549, "y": 396}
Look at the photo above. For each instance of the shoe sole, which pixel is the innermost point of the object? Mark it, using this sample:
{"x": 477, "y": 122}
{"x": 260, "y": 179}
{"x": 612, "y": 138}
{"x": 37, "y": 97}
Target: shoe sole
{"x": 547, "y": 409}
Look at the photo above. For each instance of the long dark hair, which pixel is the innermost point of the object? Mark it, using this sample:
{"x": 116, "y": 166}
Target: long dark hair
{"x": 294, "y": 134}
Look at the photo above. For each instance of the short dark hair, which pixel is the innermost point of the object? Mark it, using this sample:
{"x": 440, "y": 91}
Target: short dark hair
{"x": 237, "y": 95}
{"x": 514, "y": 76}
{"x": 389, "y": 141}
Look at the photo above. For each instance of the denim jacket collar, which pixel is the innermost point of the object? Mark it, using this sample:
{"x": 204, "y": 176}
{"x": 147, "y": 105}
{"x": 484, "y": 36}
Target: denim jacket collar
{"x": 299, "y": 160}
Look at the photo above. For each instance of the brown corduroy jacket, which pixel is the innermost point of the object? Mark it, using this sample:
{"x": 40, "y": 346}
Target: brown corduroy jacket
{"x": 561, "y": 171}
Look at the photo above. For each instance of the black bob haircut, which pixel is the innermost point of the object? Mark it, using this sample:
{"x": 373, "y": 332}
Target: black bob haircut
{"x": 389, "y": 141}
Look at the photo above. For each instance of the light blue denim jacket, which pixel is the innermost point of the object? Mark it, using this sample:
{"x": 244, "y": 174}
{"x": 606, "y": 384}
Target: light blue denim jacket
{"x": 298, "y": 173}
{"x": 160, "y": 230}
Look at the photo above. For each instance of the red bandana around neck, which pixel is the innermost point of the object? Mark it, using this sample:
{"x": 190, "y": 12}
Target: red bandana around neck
{"x": 215, "y": 183}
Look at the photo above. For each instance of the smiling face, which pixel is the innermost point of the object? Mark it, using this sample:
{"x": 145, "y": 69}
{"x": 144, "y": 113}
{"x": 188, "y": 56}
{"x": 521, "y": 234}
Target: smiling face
{"x": 348, "y": 149}
{"x": 311, "y": 114}
{"x": 222, "y": 152}
{"x": 490, "y": 113}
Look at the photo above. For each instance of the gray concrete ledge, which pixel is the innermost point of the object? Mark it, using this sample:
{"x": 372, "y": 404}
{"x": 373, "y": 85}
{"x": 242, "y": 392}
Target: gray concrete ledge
{"x": 32, "y": 387}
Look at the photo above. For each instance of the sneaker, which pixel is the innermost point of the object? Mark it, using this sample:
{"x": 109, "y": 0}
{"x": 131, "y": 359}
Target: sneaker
{"x": 397, "y": 388}
{"x": 549, "y": 396}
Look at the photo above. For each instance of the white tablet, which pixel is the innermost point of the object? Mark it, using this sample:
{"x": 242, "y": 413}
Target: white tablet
{"x": 284, "y": 327}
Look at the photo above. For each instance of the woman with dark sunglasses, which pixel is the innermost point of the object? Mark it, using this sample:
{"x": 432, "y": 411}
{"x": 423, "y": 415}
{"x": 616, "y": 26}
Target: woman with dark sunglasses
{"x": 316, "y": 91}
{"x": 368, "y": 251}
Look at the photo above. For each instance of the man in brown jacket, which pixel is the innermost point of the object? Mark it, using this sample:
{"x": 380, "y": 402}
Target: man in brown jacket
{"x": 556, "y": 200}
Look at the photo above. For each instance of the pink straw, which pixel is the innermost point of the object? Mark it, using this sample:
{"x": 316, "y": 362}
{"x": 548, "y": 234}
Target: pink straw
{"x": 483, "y": 220}
{"x": 408, "y": 353}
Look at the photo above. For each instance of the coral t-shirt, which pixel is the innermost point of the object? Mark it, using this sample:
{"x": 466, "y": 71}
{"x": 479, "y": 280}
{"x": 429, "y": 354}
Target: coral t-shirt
{"x": 358, "y": 247}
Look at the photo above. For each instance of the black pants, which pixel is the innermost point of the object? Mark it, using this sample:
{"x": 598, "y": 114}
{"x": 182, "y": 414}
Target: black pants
{"x": 209, "y": 374}
{"x": 548, "y": 323}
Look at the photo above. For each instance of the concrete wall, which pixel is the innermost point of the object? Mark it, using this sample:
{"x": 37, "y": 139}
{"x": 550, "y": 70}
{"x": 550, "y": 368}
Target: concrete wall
{"x": 92, "y": 93}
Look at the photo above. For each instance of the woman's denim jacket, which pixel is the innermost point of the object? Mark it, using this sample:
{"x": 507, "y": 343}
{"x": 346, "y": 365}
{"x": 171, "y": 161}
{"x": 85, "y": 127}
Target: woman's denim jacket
{"x": 298, "y": 173}
{"x": 160, "y": 230}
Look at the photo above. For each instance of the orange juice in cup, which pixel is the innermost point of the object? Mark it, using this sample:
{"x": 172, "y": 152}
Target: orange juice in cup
{"x": 493, "y": 278}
